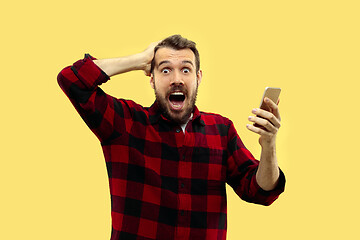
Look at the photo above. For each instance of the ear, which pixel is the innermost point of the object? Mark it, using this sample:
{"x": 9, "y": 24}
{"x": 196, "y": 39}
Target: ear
{"x": 152, "y": 81}
{"x": 199, "y": 76}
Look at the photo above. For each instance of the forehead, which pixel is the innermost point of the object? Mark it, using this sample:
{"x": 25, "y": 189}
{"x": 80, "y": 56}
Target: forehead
{"x": 173, "y": 55}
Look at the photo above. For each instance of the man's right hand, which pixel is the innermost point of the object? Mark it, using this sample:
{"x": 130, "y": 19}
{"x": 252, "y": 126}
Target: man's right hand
{"x": 140, "y": 61}
{"x": 148, "y": 55}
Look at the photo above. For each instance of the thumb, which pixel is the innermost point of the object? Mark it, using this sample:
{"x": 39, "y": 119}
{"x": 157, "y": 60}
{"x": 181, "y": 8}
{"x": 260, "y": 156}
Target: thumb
{"x": 147, "y": 70}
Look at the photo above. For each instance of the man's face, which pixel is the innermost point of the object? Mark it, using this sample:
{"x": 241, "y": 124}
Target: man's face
{"x": 175, "y": 82}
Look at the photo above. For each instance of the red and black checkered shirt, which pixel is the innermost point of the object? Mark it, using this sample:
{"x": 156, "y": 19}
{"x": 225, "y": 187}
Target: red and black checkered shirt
{"x": 164, "y": 183}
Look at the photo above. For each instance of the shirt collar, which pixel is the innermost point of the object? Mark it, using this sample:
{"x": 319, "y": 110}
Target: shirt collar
{"x": 155, "y": 114}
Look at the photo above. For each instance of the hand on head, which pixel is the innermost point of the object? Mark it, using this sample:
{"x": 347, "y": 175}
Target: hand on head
{"x": 148, "y": 54}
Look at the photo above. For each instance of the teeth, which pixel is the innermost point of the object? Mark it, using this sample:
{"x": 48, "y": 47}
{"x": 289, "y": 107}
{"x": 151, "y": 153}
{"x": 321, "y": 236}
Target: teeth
{"x": 177, "y": 93}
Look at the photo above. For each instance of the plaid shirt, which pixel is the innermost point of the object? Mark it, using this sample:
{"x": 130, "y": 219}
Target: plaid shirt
{"x": 164, "y": 183}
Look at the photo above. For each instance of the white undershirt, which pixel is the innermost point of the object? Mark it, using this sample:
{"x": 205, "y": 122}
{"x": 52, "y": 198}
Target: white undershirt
{"x": 183, "y": 126}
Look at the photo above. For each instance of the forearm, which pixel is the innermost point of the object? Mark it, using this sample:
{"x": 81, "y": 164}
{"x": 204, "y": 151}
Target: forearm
{"x": 268, "y": 173}
{"x": 114, "y": 66}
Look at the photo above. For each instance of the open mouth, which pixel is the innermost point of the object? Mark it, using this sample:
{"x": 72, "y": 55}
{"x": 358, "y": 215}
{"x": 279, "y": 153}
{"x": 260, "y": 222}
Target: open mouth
{"x": 177, "y": 100}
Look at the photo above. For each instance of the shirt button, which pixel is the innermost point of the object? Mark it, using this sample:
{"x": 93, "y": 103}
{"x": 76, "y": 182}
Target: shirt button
{"x": 182, "y": 212}
{"x": 182, "y": 185}
{"x": 184, "y": 157}
{"x": 178, "y": 130}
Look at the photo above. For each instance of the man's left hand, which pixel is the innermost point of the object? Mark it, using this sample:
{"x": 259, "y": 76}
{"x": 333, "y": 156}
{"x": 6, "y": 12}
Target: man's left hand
{"x": 269, "y": 122}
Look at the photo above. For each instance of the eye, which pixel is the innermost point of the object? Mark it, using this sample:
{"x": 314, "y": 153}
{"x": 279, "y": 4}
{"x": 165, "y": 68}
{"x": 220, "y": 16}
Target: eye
{"x": 165, "y": 70}
{"x": 186, "y": 70}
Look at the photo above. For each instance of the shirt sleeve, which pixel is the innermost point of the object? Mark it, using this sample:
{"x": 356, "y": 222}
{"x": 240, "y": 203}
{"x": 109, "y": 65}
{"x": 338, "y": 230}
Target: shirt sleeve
{"x": 80, "y": 83}
{"x": 241, "y": 173}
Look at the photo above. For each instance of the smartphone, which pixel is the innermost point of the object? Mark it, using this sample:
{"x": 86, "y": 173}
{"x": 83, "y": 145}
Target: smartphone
{"x": 273, "y": 94}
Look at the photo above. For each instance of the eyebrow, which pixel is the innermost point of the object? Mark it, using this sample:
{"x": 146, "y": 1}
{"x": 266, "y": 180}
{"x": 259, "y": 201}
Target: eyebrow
{"x": 187, "y": 61}
{"x": 163, "y": 62}
{"x": 167, "y": 61}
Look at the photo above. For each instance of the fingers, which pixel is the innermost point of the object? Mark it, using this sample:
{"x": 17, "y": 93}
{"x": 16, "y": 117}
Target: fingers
{"x": 148, "y": 53}
{"x": 147, "y": 70}
{"x": 264, "y": 124}
{"x": 273, "y": 107}
{"x": 153, "y": 45}
{"x": 259, "y": 131}
{"x": 265, "y": 118}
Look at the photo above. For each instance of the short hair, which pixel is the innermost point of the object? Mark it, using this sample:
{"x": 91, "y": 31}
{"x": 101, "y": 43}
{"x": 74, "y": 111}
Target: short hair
{"x": 177, "y": 42}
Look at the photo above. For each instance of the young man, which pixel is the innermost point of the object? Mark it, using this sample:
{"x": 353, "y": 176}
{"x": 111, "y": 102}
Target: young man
{"x": 168, "y": 163}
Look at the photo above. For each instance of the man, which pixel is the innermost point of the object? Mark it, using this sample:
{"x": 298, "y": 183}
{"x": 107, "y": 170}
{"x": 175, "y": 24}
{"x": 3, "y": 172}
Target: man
{"x": 168, "y": 163}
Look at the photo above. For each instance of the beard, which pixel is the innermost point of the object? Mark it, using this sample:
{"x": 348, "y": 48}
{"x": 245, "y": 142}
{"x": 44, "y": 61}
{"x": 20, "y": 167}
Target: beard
{"x": 182, "y": 116}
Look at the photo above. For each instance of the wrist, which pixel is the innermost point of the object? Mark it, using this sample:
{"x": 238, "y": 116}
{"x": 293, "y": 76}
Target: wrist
{"x": 268, "y": 144}
{"x": 269, "y": 149}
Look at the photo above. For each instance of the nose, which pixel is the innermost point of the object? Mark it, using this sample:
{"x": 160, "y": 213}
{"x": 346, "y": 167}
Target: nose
{"x": 177, "y": 79}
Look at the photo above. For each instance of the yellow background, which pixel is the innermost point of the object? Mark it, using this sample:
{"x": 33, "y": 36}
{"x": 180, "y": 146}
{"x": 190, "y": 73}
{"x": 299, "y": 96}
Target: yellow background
{"x": 52, "y": 173}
